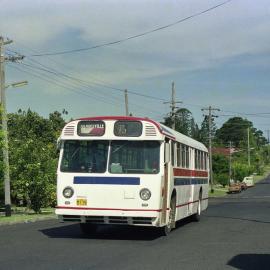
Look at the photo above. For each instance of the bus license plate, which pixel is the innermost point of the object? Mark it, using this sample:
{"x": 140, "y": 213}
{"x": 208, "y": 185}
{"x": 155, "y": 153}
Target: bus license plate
{"x": 81, "y": 202}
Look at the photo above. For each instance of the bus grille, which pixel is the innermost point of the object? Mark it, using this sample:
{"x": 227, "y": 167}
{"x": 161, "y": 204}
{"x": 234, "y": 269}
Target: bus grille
{"x": 150, "y": 130}
{"x": 109, "y": 219}
{"x": 69, "y": 130}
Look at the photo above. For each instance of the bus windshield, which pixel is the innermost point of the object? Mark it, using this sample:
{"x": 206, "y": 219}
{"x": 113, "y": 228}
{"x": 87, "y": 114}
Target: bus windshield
{"x": 126, "y": 157}
{"x": 131, "y": 157}
{"x": 85, "y": 156}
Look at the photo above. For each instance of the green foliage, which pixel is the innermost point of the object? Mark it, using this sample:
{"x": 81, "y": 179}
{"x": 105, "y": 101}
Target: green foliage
{"x": 204, "y": 131}
{"x": 222, "y": 178}
{"x": 241, "y": 170}
{"x": 220, "y": 164}
{"x": 236, "y": 131}
{"x": 184, "y": 123}
{"x": 220, "y": 169}
{"x": 33, "y": 158}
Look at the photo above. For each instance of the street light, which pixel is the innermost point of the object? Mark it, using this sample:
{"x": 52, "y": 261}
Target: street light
{"x": 5, "y": 146}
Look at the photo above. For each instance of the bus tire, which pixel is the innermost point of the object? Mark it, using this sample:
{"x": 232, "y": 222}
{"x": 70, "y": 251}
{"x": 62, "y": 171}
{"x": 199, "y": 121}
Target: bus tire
{"x": 87, "y": 228}
{"x": 171, "y": 224}
{"x": 196, "y": 217}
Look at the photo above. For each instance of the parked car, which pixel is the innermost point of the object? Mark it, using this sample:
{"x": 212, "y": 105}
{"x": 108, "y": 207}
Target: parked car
{"x": 243, "y": 186}
{"x": 249, "y": 181}
{"x": 235, "y": 188}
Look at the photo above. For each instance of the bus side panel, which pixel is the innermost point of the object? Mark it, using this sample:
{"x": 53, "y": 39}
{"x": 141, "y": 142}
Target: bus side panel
{"x": 182, "y": 205}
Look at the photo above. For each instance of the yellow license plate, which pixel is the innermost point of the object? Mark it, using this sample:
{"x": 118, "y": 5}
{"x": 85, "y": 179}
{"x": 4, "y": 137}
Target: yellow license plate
{"x": 81, "y": 202}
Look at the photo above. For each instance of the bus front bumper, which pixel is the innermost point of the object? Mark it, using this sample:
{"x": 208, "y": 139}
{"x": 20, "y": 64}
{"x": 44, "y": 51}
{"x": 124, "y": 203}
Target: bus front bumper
{"x": 140, "y": 217}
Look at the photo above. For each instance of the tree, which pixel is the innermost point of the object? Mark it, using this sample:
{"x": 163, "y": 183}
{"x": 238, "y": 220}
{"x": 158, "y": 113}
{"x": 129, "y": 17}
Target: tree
{"x": 234, "y": 130}
{"x": 184, "y": 123}
{"x": 33, "y": 157}
{"x": 204, "y": 131}
{"x": 221, "y": 169}
{"x": 241, "y": 170}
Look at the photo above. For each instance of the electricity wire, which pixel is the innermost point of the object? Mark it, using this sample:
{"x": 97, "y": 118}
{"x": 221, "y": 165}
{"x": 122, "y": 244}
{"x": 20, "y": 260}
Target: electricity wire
{"x": 134, "y": 36}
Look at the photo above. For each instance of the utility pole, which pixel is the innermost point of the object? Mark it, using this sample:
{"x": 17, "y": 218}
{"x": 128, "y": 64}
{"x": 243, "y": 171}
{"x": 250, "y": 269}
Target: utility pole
{"x": 248, "y": 145}
{"x": 268, "y": 135}
{"x": 230, "y": 163}
{"x": 4, "y": 128}
{"x": 126, "y": 102}
{"x": 173, "y": 106}
{"x": 3, "y": 59}
{"x": 210, "y": 115}
{"x": 268, "y": 150}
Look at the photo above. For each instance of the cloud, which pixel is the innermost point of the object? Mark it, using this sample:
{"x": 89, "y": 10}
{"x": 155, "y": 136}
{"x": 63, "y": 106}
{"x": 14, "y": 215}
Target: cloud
{"x": 236, "y": 35}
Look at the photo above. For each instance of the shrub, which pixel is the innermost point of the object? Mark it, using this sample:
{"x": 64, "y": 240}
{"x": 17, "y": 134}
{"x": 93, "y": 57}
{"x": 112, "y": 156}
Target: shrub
{"x": 222, "y": 179}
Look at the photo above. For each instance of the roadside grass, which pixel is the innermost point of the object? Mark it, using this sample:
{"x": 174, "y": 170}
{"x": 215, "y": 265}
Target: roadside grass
{"x": 218, "y": 191}
{"x": 23, "y": 215}
{"x": 258, "y": 178}
{"x": 222, "y": 191}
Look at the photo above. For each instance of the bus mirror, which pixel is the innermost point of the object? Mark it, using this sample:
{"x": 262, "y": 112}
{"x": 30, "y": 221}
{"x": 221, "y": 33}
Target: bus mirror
{"x": 167, "y": 153}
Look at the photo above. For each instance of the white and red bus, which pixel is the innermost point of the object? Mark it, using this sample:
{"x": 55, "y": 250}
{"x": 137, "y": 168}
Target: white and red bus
{"x": 129, "y": 171}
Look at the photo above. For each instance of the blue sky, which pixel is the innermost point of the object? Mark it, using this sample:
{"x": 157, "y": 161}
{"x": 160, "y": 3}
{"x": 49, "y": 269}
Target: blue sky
{"x": 221, "y": 58}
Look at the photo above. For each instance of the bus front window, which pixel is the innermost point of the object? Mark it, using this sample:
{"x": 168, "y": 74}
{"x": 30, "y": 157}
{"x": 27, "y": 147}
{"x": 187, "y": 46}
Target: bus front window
{"x": 84, "y": 156}
{"x": 133, "y": 157}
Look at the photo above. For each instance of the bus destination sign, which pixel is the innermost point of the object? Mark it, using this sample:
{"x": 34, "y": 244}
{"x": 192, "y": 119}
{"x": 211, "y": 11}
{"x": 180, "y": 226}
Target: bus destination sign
{"x": 91, "y": 128}
{"x": 128, "y": 128}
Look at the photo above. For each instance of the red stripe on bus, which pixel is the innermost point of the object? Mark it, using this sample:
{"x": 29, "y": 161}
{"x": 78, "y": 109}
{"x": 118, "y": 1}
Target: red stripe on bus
{"x": 185, "y": 204}
{"x": 187, "y": 172}
{"x": 120, "y": 209}
{"x": 104, "y": 209}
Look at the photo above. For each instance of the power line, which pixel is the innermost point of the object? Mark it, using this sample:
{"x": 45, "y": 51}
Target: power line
{"x": 135, "y": 36}
{"x": 70, "y": 88}
{"x": 250, "y": 115}
{"x": 79, "y": 82}
{"x": 99, "y": 84}
{"x": 87, "y": 83}
{"x": 61, "y": 84}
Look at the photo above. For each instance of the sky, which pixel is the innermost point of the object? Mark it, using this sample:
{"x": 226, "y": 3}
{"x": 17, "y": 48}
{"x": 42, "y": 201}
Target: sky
{"x": 220, "y": 58}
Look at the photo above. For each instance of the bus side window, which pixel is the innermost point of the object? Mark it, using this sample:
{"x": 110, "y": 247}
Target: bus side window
{"x": 187, "y": 156}
{"x": 196, "y": 159}
{"x": 183, "y": 156}
{"x": 166, "y": 152}
{"x": 178, "y": 155}
{"x": 173, "y": 152}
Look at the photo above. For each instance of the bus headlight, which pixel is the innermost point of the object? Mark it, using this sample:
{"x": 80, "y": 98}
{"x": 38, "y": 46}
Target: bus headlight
{"x": 68, "y": 192}
{"x": 145, "y": 194}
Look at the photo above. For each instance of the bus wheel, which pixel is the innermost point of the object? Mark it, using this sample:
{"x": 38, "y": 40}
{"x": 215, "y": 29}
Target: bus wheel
{"x": 87, "y": 228}
{"x": 171, "y": 224}
{"x": 197, "y": 216}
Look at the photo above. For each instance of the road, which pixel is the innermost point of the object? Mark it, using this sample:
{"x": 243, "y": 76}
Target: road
{"x": 234, "y": 233}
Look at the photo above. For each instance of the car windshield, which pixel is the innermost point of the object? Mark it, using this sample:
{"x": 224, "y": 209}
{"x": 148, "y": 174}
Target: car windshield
{"x": 85, "y": 156}
{"x": 131, "y": 157}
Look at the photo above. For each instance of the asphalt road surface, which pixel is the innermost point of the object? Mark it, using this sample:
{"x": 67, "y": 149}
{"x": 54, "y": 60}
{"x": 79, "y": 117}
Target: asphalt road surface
{"x": 234, "y": 233}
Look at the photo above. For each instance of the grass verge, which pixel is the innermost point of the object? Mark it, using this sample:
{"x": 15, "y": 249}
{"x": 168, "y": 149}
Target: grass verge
{"x": 218, "y": 192}
{"x": 22, "y": 215}
{"x": 258, "y": 178}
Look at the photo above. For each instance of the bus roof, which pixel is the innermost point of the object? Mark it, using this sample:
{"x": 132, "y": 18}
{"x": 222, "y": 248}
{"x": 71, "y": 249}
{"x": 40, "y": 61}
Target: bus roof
{"x": 168, "y": 132}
